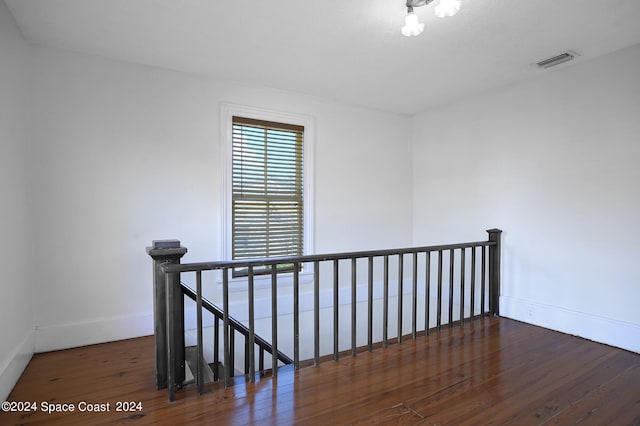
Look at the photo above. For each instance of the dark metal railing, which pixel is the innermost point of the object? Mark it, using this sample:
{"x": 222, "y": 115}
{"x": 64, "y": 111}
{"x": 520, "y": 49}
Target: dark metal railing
{"x": 420, "y": 277}
{"x": 234, "y": 327}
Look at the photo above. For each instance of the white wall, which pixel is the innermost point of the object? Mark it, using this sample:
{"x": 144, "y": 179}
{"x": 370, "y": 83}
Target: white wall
{"x": 16, "y": 320}
{"x": 554, "y": 163}
{"x": 128, "y": 154}
{"x": 123, "y": 154}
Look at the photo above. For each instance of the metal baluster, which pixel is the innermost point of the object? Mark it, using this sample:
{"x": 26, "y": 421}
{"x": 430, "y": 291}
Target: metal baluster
{"x": 274, "y": 320}
{"x": 385, "y": 302}
{"x": 261, "y": 359}
{"x": 252, "y": 329}
{"x": 296, "y": 316}
{"x": 482, "y": 279}
{"x": 414, "y": 301}
{"x": 200, "y": 363}
{"x": 462, "y": 265}
{"x": 225, "y": 325}
{"x": 439, "y": 315}
{"x": 216, "y": 348}
{"x": 171, "y": 356}
{"x": 473, "y": 282}
{"x": 232, "y": 346}
{"x": 353, "y": 306}
{"x": 316, "y": 312}
{"x": 246, "y": 358}
{"x": 370, "y": 306}
{"x": 451, "y": 262}
{"x": 427, "y": 302}
{"x": 335, "y": 310}
{"x": 400, "y": 291}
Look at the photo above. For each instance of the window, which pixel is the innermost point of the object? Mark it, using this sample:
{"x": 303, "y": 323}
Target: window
{"x": 268, "y": 189}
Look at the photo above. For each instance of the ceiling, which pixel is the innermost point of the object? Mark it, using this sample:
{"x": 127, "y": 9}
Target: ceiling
{"x": 348, "y": 51}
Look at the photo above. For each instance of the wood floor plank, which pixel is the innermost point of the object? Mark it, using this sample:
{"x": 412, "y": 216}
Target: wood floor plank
{"x": 438, "y": 366}
{"x": 616, "y": 401}
{"x": 490, "y": 371}
{"x": 512, "y": 391}
{"x": 572, "y": 387}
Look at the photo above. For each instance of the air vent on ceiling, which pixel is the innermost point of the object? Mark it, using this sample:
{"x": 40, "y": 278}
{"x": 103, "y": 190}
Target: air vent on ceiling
{"x": 557, "y": 60}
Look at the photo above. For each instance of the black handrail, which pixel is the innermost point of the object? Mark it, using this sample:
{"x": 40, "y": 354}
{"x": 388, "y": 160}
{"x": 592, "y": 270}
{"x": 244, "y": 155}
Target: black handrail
{"x": 233, "y": 323}
{"x": 208, "y": 266}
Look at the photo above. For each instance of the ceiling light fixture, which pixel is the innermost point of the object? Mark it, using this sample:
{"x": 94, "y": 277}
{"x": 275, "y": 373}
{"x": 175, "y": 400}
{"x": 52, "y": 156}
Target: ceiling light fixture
{"x": 412, "y": 27}
{"x": 447, "y": 8}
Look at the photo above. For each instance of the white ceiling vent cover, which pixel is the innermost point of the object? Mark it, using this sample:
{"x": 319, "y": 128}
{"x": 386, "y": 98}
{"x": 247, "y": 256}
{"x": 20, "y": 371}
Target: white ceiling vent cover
{"x": 557, "y": 60}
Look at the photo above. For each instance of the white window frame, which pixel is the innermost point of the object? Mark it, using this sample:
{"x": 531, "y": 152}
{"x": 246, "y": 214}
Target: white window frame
{"x": 227, "y": 111}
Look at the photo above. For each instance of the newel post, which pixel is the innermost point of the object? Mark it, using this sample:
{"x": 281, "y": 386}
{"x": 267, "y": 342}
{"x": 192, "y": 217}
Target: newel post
{"x": 494, "y": 272}
{"x": 162, "y": 252}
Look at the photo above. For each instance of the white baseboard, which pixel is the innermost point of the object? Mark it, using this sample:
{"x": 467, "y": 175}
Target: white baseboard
{"x": 64, "y": 336}
{"x": 12, "y": 367}
{"x": 600, "y": 329}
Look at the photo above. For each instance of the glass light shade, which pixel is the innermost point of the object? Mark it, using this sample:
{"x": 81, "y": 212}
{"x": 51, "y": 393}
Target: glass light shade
{"x": 411, "y": 25}
{"x": 447, "y": 8}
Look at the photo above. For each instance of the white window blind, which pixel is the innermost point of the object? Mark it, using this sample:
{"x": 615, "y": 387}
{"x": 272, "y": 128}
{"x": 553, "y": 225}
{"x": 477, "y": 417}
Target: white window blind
{"x": 267, "y": 190}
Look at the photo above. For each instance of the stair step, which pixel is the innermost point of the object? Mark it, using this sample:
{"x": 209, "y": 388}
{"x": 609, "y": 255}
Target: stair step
{"x": 191, "y": 358}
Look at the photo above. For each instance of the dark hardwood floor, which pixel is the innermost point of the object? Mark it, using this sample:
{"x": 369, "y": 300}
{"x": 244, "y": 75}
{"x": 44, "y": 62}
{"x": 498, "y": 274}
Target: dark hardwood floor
{"x": 491, "y": 371}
